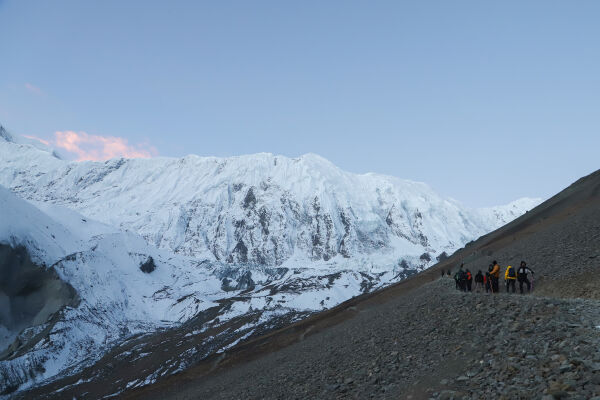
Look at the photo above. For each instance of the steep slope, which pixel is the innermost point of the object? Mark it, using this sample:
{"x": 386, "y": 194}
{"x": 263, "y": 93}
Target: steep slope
{"x": 424, "y": 339}
{"x": 258, "y": 210}
{"x": 80, "y": 282}
{"x": 73, "y": 290}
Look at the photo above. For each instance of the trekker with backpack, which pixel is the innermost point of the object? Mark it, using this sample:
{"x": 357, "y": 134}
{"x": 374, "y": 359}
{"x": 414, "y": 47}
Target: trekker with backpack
{"x": 495, "y": 276}
{"x": 510, "y": 276}
{"x": 462, "y": 278}
{"x": 478, "y": 281}
{"x": 488, "y": 279}
{"x": 456, "y": 275}
{"x": 522, "y": 276}
{"x": 469, "y": 280}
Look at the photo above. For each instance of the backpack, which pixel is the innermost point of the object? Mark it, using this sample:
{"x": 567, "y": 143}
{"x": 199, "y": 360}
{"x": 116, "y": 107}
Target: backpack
{"x": 511, "y": 273}
{"x": 469, "y": 276}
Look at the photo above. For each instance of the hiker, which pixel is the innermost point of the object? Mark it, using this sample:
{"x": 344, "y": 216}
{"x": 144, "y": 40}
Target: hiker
{"x": 522, "y": 276}
{"x": 462, "y": 278}
{"x": 495, "y": 276}
{"x": 443, "y": 273}
{"x": 510, "y": 276}
{"x": 488, "y": 280}
{"x": 479, "y": 281}
{"x": 456, "y": 280}
{"x": 448, "y": 272}
{"x": 469, "y": 280}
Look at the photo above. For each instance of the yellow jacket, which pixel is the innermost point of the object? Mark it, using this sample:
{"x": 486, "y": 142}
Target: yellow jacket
{"x": 495, "y": 271}
{"x": 506, "y": 274}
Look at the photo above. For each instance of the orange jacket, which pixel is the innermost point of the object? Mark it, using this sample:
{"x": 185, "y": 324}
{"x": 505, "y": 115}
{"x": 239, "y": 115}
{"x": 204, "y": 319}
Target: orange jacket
{"x": 495, "y": 271}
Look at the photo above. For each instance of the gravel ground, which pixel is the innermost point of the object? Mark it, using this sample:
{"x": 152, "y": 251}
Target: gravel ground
{"x": 437, "y": 343}
{"x": 529, "y": 347}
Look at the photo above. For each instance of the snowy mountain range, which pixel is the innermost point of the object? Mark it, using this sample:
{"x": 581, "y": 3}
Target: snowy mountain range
{"x": 258, "y": 209}
{"x": 136, "y": 245}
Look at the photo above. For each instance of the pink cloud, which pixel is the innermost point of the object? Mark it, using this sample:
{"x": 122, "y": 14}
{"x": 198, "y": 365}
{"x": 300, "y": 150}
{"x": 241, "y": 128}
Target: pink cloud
{"x": 99, "y": 148}
{"x": 47, "y": 143}
{"x": 34, "y": 89}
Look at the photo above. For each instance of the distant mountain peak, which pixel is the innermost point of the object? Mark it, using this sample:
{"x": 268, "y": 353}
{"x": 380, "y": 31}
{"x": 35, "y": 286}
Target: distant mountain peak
{"x": 5, "y": 135}
{"x": 260, "y": 209}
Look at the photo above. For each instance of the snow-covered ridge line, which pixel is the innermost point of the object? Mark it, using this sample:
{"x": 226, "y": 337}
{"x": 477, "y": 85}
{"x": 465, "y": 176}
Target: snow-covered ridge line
{"x": 257, "y": 209}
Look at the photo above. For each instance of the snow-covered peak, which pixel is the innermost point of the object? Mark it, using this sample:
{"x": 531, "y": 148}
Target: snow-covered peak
{"x": 508, "y": 212}
{"x": 259, "y": 209}
{"x": 25, "y": 225}
{"x": 4, "y": 135}
{"x": 26, "y": 143}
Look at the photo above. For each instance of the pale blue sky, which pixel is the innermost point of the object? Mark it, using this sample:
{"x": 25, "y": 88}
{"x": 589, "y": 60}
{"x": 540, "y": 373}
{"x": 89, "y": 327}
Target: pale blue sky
{"x": 485, "y": 101}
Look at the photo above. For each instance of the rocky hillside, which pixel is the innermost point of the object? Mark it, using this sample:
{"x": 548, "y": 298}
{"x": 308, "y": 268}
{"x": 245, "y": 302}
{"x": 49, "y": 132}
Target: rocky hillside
{"x": 484, "y": 347}
{"x": 423, "y": 339}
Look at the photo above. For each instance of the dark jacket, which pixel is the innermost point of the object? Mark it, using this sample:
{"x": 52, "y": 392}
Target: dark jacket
{"x": 522, "y": 272}
{"x": 479, "y": 277}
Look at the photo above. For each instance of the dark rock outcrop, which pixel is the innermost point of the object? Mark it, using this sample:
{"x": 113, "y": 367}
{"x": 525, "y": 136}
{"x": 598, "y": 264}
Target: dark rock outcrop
{"x": 442, "y": 257}
{"x": 148, "y": 266}
{"x": 29, "y": 294}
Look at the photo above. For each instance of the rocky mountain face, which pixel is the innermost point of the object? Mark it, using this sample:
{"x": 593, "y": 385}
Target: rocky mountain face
{"x": 257, "y": 210}
{"x": 196, "y": 254}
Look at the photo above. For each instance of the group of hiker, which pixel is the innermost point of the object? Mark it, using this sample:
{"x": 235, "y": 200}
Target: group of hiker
{"x": 490, "y": 281}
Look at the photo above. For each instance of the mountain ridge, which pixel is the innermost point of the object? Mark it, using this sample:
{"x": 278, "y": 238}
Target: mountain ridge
{"x": 259, "y": 209}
